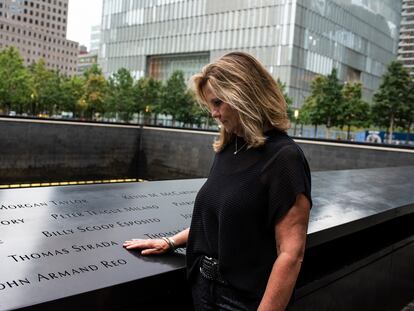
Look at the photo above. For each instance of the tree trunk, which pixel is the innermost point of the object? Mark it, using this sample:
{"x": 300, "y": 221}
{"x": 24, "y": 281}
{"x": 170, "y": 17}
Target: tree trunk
{"x": 391, "y": 129}
{"x": 7, "y": 109}
{"x": 407, "y": 137}
{"x": 316, "y": 130}
{"x": 348, "y": 132}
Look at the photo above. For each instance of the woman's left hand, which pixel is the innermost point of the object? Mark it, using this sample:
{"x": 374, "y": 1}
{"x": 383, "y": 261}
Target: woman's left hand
{"x": 148, "y": 246}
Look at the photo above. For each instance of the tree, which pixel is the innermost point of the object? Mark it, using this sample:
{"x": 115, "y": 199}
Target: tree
{"x": 323, "y": 106}
{"x": 310, "y": 112}
{"x": 95, "y": 90}
{"x": 289, "y": 101}
{"x": 73, "y": 90}
{"x": 121, "y": 93}
{"x": 332, "y": 101}
{"x": 406, "y": 118}
{"x": 15, "y": 83}
{"x": 43, "y": 86}
{"x": 173, "y": 95}
{"x": 392, "y": 98}
{"x": 94, "y": 69}
{"x": 52, "y": 95}
{"x": 147, "y": 92}
{"x": 354, "y": 111}
{"x": 189, "y": 111}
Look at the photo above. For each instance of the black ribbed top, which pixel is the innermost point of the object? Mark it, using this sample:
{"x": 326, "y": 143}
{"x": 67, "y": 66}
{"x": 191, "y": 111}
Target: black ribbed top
{"x": 237, "y": 207}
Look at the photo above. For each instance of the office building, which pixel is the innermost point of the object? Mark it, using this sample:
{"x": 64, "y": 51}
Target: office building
{"x": 406, "y": 46}
{"x": 95, "y": 39}
{"x": 294, "y": 39}
{"x": 85, "y": 61}
{"x": 38, "y": 29}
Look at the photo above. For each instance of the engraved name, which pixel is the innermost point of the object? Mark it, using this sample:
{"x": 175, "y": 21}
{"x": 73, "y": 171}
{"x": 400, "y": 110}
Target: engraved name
{"x": 62, "y": 251}
{"x": 11, "y": 222}
{"x": 13, "y": 283}
{"x": 109, "y": 226}
{"x": 184, "y": 203}
{"x": 104, "y": 212}
{"x": 60, "y": 274}
{"x": 163, "y": 234}
{"x": 155, "y": 195}
{"x": 186, "y": 216}
{"x": 42, "y": 204}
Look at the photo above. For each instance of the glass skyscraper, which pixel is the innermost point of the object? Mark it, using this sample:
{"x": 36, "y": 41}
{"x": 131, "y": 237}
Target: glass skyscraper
{"x": 294, "y": 39}
{"x": 406, "y": 47}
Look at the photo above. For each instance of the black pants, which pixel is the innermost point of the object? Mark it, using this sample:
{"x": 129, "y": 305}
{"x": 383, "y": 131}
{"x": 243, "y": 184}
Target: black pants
{"x": 210, "y": 295}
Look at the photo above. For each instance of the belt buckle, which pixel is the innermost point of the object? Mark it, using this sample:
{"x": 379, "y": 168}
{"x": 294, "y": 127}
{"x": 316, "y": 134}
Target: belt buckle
{"x": 210, "y": 260}
{"x": 209, "y": 269}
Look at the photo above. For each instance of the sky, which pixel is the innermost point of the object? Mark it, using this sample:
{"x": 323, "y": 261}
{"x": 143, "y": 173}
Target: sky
{"x": 82, "y": 15}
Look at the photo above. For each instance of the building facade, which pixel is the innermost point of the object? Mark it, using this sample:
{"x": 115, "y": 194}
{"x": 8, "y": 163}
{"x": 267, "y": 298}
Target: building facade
{"x": 294, "y": 39}
{"x": 38, "y": 29}
{"x": 95, "y": 39}
{"x": 86, "y": 61}
{"x": 406, "y": 46}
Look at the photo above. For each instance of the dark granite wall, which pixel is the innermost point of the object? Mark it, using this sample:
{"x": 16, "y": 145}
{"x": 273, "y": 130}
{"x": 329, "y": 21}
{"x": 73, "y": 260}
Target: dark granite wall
{"x": 58, "y": 151}
{"x": 52, "y": 151}
{"x": 174, "y": 154}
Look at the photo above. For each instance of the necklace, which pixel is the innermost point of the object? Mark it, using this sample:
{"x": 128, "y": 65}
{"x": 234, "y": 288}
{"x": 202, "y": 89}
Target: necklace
{"x": 237, "y": 150}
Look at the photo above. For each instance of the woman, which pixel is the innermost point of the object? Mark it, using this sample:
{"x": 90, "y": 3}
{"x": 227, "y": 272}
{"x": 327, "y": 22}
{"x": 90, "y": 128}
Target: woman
{"x": 247, "y": 237}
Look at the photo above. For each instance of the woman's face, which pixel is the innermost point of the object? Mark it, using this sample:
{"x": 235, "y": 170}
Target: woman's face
{"x": 223, "y": 112}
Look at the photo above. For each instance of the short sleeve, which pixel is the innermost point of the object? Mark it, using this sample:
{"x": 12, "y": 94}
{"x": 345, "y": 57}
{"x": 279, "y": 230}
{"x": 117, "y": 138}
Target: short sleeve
{"x": 286, "y": 175}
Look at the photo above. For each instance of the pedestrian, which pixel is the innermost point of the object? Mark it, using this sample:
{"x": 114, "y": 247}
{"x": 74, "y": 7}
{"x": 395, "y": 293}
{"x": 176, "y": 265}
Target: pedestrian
{"x": 247, "y": 237}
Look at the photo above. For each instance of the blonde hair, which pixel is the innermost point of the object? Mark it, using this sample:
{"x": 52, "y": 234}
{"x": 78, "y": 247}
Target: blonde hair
{"x": 240, "y": 80}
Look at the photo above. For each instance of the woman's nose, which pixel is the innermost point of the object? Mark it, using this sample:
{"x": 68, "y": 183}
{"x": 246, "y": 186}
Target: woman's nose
{"x": 215, "y": 113}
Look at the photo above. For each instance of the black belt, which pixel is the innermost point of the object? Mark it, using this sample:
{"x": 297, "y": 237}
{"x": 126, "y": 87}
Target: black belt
{"x": 209, "y": 268}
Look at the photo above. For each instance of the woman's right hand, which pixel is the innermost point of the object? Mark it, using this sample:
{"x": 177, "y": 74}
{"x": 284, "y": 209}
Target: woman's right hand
{"x": 148, "y": 246}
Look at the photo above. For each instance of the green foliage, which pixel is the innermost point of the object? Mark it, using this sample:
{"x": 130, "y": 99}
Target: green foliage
{"x": 394, "y": 99}
{"x": 330, "y": 105}
{"x": 95, "y": 91}
{"x": 121, "y": 94}
{"x": 72, "y": 89}
{"x": 406, "y": 117}
{"x": 15, "y": 86}
{"x": 41, "y": 78}
{"x": 94, "y": 69}
{"x": 312, "y": 111}
{"x": 334, "y": 104}
{"x": 173, "y": 95}
{"x": 190, "y": 112}
{"x": 289, "y": 101}
{"x": 354, "y": 111}
{"x": 147, "y": 92}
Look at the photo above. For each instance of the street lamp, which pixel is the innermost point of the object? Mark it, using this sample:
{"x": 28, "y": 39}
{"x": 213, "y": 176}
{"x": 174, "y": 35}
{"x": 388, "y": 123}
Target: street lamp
{"x": 296, "y": 115}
